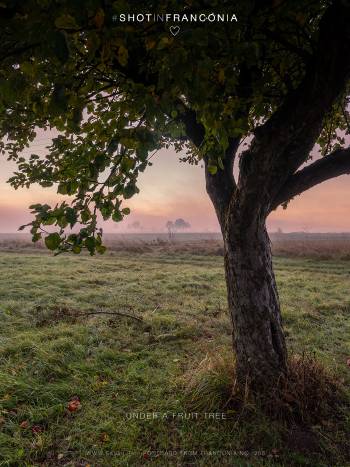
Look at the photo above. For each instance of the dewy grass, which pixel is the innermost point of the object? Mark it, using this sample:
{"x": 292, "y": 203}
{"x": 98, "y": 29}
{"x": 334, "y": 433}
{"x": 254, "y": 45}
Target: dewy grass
{"x": 308, "y": 393}
{"x": 210, "y": 385}
{"x": 53, "y": 352}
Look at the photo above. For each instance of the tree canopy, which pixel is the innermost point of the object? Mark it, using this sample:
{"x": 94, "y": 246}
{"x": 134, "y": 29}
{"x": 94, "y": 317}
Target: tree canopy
{"x": 116, "y": 92}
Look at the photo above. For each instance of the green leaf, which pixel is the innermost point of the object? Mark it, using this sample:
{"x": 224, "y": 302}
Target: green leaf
{"x": 212, "y": 169}
{"x": 71, "y": 217}
{"x": 66, "y": 21}
{"x": 72, "y": 238}
{"x": 62, "y": 189}
{"x": 127, "y": 164}
{"x": 123, "y": 55}
{"x": 53, "y": 241}
{"x": 90, "y": 244}
{"x": 85, "y": 215}
{"x": 130, "y": 190}
{"x": 101, "y": 249}
{"x": 62, "y": 222}
{"x": 36, "y": 237}
{"x": 49, "y": 220}
{"x": 117, "y": 216}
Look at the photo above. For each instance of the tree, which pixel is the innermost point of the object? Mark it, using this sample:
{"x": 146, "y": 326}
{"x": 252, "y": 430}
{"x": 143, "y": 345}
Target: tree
{"x": 170, "y": 228}
{"x": 181, "y": 224}
{"x": 118, "y": 91}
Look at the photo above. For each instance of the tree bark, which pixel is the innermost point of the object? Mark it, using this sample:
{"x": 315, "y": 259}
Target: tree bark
{"x": 258, "y": 337}
{"x": 253, "y": 302}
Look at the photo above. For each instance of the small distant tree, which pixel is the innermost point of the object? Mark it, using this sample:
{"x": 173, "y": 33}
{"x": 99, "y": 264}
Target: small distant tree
{"x": 178, "y": 224}
{"x": 181, "y": 224}
{"x": 170, "y": 228}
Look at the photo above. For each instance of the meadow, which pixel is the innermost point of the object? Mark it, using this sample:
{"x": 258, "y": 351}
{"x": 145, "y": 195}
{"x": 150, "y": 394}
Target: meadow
{"x": 97, "y": 355}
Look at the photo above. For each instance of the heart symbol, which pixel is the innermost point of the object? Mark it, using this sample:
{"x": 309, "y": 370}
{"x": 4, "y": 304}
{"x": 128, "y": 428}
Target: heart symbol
{"x": 174, "y": 30}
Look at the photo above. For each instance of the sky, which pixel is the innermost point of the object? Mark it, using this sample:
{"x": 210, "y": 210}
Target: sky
{"x": 171, "y": 189}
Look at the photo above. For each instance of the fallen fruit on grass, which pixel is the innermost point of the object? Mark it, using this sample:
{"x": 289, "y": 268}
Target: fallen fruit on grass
{"x": 24, "y": 424}
{"x": 74, "y": 405}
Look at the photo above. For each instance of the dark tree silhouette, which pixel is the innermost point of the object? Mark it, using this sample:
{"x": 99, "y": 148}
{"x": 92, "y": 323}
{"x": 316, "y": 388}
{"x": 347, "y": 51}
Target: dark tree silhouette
{"x": 181, "y": 224}
{"x": 170, "y": 228}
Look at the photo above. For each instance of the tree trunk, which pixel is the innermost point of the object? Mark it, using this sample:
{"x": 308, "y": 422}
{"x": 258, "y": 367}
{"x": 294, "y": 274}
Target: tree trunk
{"x": 258, "y": 337}
{"x": 253, "y": 302}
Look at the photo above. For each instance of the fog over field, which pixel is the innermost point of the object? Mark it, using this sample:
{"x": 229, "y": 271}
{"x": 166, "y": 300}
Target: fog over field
{"x": 294, "y": 244}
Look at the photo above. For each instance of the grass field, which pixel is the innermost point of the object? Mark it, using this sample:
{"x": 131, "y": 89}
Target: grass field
{"x": 75, "y": 385}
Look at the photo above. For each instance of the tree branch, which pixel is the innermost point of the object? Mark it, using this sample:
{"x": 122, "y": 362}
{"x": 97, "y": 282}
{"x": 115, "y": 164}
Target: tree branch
{"x": 289, "y": 46}
{"x": 333, "y": 165}
{"x": 194, "y": 130}
{"x": 219, "y": 186}
{"x": 18, "y": 51}
{"x": 285, "y": 141}
{"x": 114, "y": 313}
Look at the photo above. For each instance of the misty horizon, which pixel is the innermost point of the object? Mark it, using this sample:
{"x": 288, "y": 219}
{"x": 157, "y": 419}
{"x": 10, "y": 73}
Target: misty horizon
{"x": 169, "y": 190}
